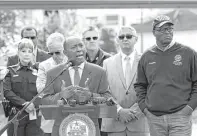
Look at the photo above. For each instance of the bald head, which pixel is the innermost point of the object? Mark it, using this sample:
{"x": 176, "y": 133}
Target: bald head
{"x": 72, "y": 40}
{"x": 75, "y": 49}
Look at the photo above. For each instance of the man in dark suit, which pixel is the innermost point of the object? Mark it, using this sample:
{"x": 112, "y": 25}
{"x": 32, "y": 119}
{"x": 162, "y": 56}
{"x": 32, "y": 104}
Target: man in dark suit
{"x": 39, "y": 55}
{"x": 96, "y": 76}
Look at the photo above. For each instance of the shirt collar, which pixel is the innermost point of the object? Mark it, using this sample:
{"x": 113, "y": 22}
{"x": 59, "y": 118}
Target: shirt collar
{"x": 81, "y": 66}
{"x": 168, "y": 47}
{"x": 20, "y": 66}
{"x": 124, "y": 55}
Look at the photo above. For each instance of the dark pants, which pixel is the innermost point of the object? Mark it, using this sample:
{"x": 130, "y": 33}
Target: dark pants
{"x": 47, "y": 134}
{"x": 26, "y": 127}
{"x": 101, "y": 132}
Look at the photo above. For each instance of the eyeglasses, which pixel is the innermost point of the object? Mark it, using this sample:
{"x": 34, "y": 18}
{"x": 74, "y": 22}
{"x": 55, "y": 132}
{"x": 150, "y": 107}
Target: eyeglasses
{"x": 93, "y": 38}
{"x": 31, "y": 37}
{"x": 128, "y": 36}
{"x": 56, "y": 53}
{"x": 164, "y": 30}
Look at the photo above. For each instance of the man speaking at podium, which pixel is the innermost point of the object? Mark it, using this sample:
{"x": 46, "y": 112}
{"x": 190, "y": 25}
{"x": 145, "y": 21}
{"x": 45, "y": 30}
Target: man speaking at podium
{"x": 81, "y": 73}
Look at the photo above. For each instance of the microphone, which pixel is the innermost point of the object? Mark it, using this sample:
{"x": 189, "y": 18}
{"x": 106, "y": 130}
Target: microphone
{"x": 68, "y": 64}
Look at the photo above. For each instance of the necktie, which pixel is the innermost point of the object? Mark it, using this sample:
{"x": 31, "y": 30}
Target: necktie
{"x": 128, "y": 71}
{"x": 76, "y": 76}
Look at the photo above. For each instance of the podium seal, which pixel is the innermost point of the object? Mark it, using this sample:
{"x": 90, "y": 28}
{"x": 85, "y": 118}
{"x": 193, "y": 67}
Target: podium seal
{"x": 77, "y": 125}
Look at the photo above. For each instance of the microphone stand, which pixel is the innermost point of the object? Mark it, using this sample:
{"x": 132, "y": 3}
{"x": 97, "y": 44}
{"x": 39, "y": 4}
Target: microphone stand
{"x": 68, "y": 64}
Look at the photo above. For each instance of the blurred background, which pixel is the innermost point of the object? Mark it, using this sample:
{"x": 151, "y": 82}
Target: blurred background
{"x": 73, "y": 21}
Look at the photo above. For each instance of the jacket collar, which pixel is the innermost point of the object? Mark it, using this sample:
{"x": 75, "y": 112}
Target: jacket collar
{"x": 19, "y": 66}
{"x": 98, "y": 58}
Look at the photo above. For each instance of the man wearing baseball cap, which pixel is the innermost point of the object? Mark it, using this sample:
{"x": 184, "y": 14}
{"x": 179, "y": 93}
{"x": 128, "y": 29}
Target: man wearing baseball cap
{"x": 166, "y": 83}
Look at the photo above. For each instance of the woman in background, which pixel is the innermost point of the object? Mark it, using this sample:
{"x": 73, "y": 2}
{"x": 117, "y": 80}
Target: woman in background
{"x": 19, "y": 88}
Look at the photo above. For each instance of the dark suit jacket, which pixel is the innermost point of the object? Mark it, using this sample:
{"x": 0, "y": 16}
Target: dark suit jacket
{"x": 41, "y": 56}
{"x": 100, "y": 57}
{"x": 97, "y": 84}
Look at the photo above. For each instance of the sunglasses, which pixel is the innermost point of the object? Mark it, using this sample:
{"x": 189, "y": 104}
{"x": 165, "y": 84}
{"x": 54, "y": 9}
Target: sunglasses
{"x": 128, "y": 36}
{"x": 164, "y": 30}
{"x": 31, "y": 37}
{"x": 89, "y": 38}
{"x": 56, "y": 53}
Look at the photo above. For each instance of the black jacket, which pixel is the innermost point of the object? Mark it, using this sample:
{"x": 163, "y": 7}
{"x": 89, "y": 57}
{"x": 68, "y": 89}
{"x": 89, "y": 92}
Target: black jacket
{"x": 100, "y": 57}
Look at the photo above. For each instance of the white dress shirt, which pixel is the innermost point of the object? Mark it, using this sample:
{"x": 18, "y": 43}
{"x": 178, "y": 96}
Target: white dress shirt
{"x": 124, "y": 61}
{"x": 72, "y": 72}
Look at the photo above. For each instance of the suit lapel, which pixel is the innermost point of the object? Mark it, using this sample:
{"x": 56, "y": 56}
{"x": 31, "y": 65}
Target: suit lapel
{"x": 134, "y": 68}
{"x": 85, "y": 75}
{"x": 66, "y": 78}
{"x": 120, "y": 69}
{"x": 39, "y": 55}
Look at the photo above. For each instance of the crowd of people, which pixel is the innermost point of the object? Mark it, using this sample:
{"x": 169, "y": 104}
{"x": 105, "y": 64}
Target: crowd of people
{"x": 155, "y": 92}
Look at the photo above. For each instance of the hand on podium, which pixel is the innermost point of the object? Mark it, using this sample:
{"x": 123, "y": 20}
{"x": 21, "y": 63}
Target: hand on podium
{"x": 67, "y": 92}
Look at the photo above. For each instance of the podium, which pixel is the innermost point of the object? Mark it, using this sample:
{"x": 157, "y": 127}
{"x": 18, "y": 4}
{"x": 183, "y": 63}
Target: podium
{"x": 81, "y": 120}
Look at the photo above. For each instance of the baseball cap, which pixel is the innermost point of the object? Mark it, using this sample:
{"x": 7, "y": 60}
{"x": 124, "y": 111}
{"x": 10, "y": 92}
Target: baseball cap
{"x": 161, "y": 20}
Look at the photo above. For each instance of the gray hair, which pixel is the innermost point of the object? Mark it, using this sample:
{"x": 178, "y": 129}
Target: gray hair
{"x": 134, "y": 32}
{"x": 55, "y": 37}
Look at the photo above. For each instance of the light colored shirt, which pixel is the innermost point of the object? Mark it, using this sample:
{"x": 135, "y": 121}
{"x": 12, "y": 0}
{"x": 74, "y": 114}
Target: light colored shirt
{"x": 42, "y": 70}
{"x": 72, "y": 72}
{"x": 46, "y": 125}
{"x": 167, "y": 47}
{"x": 124, "y": 61}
